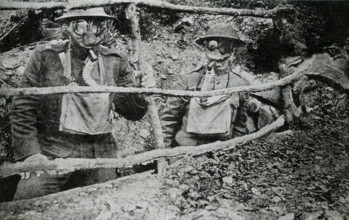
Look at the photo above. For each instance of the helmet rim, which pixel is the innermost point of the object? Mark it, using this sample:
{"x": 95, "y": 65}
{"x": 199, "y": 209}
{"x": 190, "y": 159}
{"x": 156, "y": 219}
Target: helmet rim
{"x": 222, "y": 31}
{"x": 84, "y": 13}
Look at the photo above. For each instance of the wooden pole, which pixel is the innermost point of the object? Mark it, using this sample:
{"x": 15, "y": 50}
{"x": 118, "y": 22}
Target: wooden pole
{"x": 131, "y": 14}
{"x": 264, "y": 13}
{"x": 61, "y": 166}
{"x": 299, "y": 72}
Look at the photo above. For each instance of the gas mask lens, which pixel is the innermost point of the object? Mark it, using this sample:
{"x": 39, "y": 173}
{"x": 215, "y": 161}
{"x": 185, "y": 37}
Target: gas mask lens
{"x": 223, "y": 47}
{"x": 82, "y": 26}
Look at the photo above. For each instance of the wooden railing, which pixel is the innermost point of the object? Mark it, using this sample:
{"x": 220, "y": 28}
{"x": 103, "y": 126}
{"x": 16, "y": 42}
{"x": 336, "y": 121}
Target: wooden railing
{"x": 69, "y": 165}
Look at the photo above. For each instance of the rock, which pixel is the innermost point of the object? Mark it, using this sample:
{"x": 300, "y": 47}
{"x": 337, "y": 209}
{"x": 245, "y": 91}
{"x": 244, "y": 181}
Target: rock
{"x": 228, "y": 214}
{"x": 311, "y": 216}
{"x": 174, "y": 56}
{"x": 267, "y": 114}
{"x": 184, "y": 187}
{"x": 332, "y": 70}
{"x": 104, "y": 215}
{"x": 227, "y": 179}
{"x": 254, "y": 105}
{"x": 250, "y": 125}
{"x": 163, "y": 76}
{"x": 20, "y": 71}
{"x": 256, "y": 191}
{"x": 273, "y": 95}
{"x": 144, "y": 133}
{"x": 173, "y": 194}
{"x": 200, "y": 214}
{"x": 182, "y": 23}
{"x": 276, "y": 199}
{"x": 10, "y": 63}
{"x": 289, "y": 216}
{"x": 333, "y": 215}
{"x": 341, "y": 102}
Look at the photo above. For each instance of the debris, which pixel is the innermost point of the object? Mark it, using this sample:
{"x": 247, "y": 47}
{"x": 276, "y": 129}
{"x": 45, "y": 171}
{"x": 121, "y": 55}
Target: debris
{"x": 256, "y": 191}
{"x": 228, "y": 179}
{"x": 289, "y": 216}
{"x": 144, "y": 133}
{"x": 333, "y": 215}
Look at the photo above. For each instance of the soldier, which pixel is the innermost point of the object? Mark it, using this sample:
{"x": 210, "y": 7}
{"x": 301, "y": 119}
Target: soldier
{"x": 195, "y": 121}
{"x": 73, "y": 125}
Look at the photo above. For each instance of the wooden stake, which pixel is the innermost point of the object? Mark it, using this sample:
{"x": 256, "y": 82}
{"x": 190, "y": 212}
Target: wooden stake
{"x": 131, "y": 14}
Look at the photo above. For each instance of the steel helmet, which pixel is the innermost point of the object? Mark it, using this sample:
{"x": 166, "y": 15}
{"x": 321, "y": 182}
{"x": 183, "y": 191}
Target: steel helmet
{"x": 222, "y": 31}
{"x": 84, "y": 13}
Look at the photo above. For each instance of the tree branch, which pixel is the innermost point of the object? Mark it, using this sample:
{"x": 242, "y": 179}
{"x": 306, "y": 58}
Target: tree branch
{"x": 60, "y": 166}
{"x": 265, "y": 13}
{"x": 131, "y": 14}
{"x": 109, "y": 89}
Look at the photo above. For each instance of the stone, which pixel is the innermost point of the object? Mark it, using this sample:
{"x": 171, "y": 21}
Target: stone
{"x": 289, "y": 216}
{"x": 267, "y": 114}
{"x": 332, "y": 70}
{"x": 273, "y": 95}
{"x": 20, "y": 70}
{"x": 173, "y": 194}
{"x": 227, "y": 179}
{"x": 10, "y": 63}
{"x": 256, "y": 191}
{"x": 144, "y": 133}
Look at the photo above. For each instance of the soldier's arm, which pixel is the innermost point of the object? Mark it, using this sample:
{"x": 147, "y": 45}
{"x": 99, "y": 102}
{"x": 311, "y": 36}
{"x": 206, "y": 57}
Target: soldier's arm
{"x": 131, "y": 106}
{"x": 24, "y": 111}
{"x": 171, "y": 118}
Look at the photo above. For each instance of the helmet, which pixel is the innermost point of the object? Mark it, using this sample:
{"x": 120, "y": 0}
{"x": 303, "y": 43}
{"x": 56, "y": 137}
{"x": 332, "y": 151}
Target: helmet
{"x": 222, "y": 31}
{"x": 84, "y": 13}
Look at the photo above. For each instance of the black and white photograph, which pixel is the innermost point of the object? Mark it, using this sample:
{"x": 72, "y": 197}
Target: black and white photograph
{"x": 174, "y": 109}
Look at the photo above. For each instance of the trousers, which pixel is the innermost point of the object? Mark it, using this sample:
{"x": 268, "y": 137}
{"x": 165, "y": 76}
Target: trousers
{"x": 40, "y": 184}
{"x": 36, "y": 184}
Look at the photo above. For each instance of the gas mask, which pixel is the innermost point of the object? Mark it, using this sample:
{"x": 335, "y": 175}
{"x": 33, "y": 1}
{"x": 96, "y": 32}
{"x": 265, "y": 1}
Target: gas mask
{"x": 219, "y": 52}
{"x": 86, "y": 33}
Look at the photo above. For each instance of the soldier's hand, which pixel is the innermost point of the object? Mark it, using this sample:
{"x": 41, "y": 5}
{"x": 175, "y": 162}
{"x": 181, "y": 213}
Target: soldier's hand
{"x": 244, "y": 96}
{"x": 36, "y": 158}
{"x": 147, "y": 79}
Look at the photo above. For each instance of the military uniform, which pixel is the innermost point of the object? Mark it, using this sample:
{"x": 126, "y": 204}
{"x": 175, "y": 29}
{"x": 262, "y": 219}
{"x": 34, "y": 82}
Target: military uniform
{"x": 36, "y": 119}
{"x": 175, "y": 115}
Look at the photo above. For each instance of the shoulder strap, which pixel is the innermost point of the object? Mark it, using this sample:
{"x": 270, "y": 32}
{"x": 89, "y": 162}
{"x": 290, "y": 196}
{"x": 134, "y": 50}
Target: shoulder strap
{"x": 66, "y": 63}
{"x": 101, "y": 68}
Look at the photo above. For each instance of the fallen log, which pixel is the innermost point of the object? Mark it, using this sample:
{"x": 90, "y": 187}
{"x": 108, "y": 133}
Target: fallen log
{"x": 60, "y": 166}
{"x": 264, "y": 13}
{"x": 109, "y": 89}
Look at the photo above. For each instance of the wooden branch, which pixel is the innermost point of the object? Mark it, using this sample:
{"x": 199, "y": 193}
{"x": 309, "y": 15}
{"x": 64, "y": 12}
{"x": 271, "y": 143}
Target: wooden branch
{"x": 131, "y": 14}
{"x": 31, "y": 5}
{"x": 60, "y": 166}
{"x": 109, "y": 89}
{"x": 10, "y": 31}
{"x": 265, "y": 13}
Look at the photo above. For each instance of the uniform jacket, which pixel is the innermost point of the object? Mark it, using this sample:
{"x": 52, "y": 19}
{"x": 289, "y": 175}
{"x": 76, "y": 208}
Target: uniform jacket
{"x": 35, "y": 119}
{"x": 175, "y": 115}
